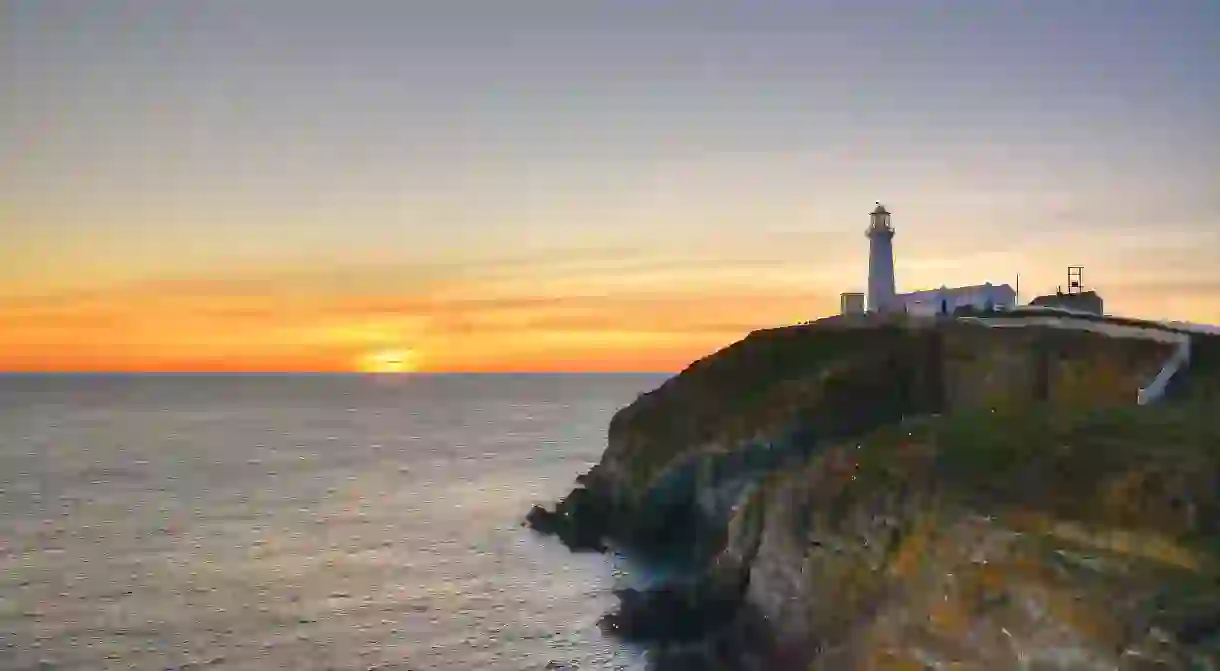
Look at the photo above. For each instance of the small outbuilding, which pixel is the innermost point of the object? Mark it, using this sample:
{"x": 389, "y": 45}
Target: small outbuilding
{"x": 851, "y": 303}
{"x": 1077, "y": 301}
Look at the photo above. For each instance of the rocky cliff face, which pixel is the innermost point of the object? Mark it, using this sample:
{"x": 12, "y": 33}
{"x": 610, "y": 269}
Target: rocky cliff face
{"x": 903, "y": 494}
{"x": 1048, "y": 539}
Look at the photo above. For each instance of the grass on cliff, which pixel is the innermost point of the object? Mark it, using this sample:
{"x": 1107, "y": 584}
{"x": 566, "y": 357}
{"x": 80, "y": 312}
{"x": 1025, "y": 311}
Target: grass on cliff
{"x": 1204, "y": 370}
{"x": 1155, "y": 468}
{"x": 826, "y": 376}
{"x": 1108, "y": 518}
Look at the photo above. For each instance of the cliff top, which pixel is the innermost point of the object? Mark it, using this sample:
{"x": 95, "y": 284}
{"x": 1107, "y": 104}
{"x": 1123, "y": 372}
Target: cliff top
{"x": 844, "y": 375}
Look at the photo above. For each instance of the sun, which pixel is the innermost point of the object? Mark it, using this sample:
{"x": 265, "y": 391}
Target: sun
{"x": 389, "y": 361}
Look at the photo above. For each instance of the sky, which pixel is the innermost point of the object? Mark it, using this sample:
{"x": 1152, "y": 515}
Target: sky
{"x": 554, "y": 185}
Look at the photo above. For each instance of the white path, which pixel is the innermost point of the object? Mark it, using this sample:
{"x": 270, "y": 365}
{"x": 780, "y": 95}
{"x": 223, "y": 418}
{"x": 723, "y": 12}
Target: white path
{"x": 1156, "y": 389}
{"x": 1206, "y": 329}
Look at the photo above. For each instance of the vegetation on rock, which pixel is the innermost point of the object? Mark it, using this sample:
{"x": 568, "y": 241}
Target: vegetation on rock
{"x": 1001, "y": 538}
{"x": 902, "y": 494}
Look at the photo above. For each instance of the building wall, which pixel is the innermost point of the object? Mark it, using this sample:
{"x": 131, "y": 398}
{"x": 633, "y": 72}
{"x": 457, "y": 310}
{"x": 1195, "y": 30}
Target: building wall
{"x": 1087, "y": 301}
{"x": 948, "y": 299}
{"x": 851, "y": 303}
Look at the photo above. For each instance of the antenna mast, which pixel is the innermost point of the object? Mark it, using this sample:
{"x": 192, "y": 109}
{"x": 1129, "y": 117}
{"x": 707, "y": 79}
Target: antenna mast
{"x": 1075, "y": 279}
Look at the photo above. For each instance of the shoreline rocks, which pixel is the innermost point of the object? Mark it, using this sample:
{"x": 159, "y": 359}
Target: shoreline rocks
{"x": 580, "y": 521}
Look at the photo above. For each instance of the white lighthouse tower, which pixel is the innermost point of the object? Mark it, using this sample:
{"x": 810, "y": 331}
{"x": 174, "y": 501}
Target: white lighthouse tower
{"x": 880, "y": 261}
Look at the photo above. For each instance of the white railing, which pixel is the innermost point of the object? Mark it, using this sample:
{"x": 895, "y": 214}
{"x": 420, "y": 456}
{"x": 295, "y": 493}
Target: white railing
{"x": 1156, "y": 389}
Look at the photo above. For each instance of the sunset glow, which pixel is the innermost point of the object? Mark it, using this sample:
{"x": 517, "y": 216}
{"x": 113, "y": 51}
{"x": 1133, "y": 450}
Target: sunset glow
{"x": 400, "y": 187}
{"x": 389, "y": 361}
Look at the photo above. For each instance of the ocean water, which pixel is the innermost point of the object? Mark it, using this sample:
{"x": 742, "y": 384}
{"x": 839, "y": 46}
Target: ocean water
{"x": 300, "y": 522}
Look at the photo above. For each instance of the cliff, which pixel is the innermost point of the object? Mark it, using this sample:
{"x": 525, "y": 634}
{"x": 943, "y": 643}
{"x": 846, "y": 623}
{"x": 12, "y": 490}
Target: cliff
{"x": 1045, "y": 539}
{"x": 862, "y": 493}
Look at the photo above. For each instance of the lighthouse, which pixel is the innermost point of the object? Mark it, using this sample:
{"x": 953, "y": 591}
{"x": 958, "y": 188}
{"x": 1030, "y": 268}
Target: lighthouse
{"x": 945, "y": 302}
{"x": 880, "y": 234}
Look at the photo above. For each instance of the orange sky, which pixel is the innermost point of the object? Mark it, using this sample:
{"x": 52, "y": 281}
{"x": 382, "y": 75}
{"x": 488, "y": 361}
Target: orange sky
{"x": 88, "y": 290}
{"x": 236, "y": 325}
{"x": 549, "y": 186}
{"x": 629, "y": 316}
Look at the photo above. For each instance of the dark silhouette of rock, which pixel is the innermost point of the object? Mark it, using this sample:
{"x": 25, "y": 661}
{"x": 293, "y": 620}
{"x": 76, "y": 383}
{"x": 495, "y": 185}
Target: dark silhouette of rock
{"x": 673, "y": 613}
{"x": 579, "y": 521}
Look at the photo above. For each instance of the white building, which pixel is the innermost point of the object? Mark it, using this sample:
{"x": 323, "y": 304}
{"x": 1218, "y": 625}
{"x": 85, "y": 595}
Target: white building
{"x": 947, "y": 299}
{"x": 851, "y": 303}
{"x": 882, "y": 296}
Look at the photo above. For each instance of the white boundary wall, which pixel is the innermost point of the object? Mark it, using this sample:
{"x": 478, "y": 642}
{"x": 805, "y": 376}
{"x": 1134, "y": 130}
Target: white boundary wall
{"x": 1067, "y": 322}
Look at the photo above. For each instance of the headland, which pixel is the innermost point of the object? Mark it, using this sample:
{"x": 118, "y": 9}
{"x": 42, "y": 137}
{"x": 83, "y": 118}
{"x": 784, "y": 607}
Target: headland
{"x": 1010, "y": 490}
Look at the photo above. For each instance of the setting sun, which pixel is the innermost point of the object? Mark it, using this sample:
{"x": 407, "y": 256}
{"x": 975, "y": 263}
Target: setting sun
{"x": 389, "y": 361}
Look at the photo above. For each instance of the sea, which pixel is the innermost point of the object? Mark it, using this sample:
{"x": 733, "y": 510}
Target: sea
{"x": 245, "y": 522}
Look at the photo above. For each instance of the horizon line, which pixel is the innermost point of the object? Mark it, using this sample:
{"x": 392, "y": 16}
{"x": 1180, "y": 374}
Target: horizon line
{"x": 269, "y": 373}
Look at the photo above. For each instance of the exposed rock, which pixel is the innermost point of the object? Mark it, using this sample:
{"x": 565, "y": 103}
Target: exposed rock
{"x": 672, "y": 613}
{"x": 1003, "y": 540}
{"x": 580, "y": 521}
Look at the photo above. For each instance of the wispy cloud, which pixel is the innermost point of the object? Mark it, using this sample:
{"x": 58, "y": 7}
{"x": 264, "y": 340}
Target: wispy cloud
{"x": 517, "y": 309}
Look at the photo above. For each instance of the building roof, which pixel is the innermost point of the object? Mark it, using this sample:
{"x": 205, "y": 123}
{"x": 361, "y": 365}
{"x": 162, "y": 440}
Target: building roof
{"x": 880, "y": 209}
{"x": 1078, "y": 297}
{"x": 957, "y": 291}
